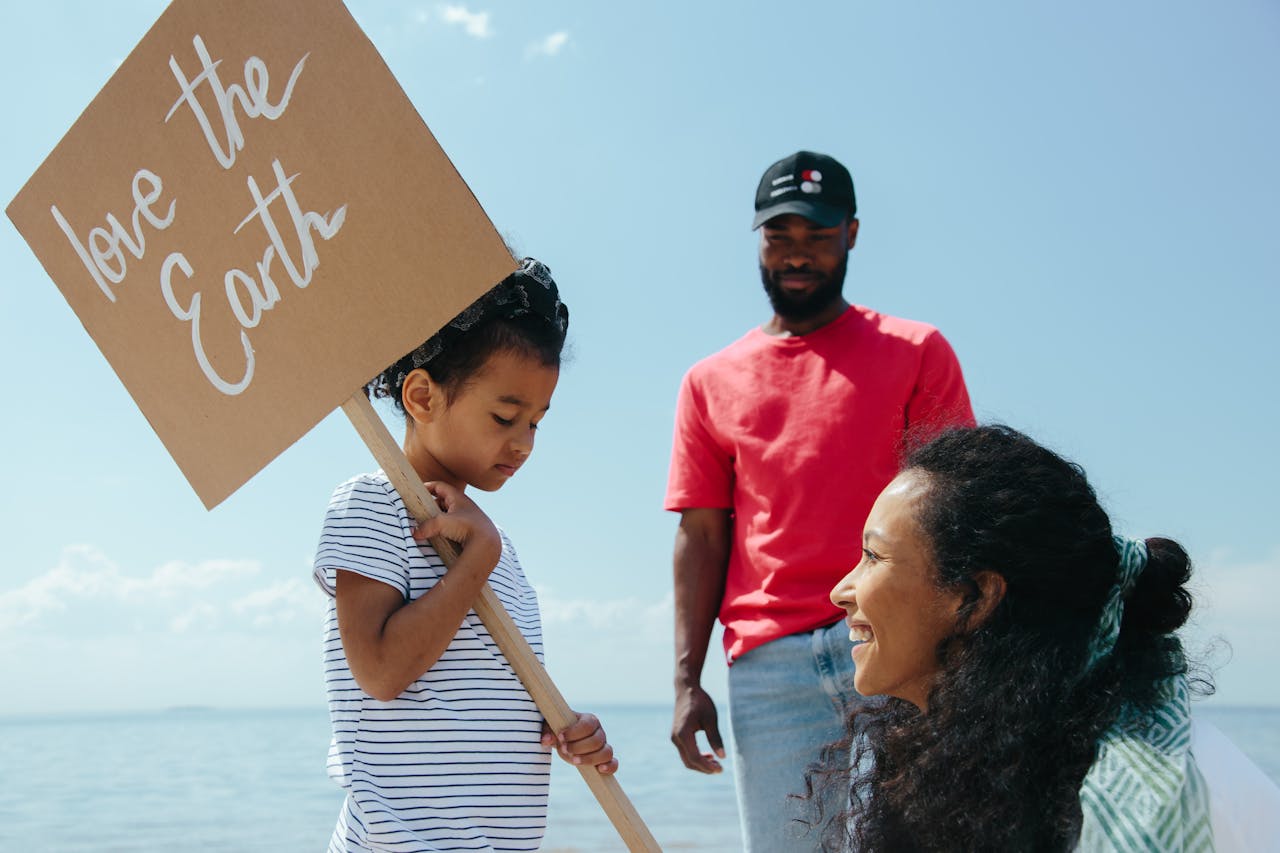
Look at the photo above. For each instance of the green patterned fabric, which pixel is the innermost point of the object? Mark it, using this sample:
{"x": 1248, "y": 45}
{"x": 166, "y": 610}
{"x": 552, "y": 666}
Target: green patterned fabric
{"x": 1144, "y": 791}
{"x": 1133, "y": 559}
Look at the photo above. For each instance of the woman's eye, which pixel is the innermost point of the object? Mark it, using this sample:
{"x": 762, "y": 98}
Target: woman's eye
{"x": 503, "y": 421}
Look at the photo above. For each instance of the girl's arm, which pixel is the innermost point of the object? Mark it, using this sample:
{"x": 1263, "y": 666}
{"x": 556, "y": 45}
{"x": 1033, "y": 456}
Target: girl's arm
{"x": 390, "y": 642}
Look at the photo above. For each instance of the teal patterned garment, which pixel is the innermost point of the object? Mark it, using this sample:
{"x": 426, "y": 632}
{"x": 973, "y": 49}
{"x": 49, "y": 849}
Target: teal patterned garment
{"x": 1133, "y": 559}
{"x": 1144, "y": 791}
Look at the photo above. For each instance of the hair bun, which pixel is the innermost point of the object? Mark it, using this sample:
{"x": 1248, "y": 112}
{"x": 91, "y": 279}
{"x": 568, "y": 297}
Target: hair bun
{"x": 1160, "y": 601}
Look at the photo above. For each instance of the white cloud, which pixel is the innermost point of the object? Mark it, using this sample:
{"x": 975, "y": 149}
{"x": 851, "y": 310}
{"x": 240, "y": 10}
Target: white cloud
{"x": 86, "y": 593}
{"x": 200, "y": 614}
{"x": 179, "y": 578}
{"x": 84, "y": 574}
{"x": 620, "y": 613}
{"x": 1233, "y": 589}
{"x": 474, "y": 24}
{"x": 616, "y": 650}
{"x": 89, "y": 633}
{"x": 549, "y": 46}
{"x": 1235, "y": 602}
{"x": 280, "y": 602}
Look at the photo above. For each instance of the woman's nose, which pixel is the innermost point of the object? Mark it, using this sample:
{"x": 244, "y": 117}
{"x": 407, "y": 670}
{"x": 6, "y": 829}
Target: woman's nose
{"x": 843, "y": 593}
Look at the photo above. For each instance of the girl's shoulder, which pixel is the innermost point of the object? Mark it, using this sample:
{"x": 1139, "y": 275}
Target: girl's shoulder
{"x": 372, "y": 483}
{"x": 508, "y": 549}
{"x": 372, "y": 491}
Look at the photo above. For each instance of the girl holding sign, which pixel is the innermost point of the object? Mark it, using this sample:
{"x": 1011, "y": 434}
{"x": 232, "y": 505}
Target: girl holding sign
{"x": 437, "y": 743}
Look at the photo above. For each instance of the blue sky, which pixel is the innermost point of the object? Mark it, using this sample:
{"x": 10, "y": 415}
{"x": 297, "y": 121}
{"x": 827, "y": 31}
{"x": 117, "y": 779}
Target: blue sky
{"x": 1082, "y": 197}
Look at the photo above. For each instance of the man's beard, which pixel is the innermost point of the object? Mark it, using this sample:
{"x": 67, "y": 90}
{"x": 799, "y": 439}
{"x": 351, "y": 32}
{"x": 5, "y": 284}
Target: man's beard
{"x": 804, "y": 306}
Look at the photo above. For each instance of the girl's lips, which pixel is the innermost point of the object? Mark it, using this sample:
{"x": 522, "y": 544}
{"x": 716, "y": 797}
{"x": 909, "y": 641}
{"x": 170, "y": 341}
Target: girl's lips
{"x": 506, "y": 469}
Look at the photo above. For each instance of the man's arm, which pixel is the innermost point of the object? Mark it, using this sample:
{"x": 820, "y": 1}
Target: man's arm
{"x": 701, "y": 562}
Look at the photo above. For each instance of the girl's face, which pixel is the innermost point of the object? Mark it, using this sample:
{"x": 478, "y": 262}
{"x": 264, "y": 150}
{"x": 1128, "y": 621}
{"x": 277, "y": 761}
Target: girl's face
{"x": 896, "y": 613}
{"x": 483, "y": 437}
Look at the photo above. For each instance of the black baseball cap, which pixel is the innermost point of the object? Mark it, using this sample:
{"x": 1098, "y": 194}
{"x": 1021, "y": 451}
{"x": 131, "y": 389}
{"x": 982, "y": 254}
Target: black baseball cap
{"x": 813, "y": 185}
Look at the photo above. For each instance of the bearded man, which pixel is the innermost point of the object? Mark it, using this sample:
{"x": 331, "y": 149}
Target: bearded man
{"x": 782, "y": 441}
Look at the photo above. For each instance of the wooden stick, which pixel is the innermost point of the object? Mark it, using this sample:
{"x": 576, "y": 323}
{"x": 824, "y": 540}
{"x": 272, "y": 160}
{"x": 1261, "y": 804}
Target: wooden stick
{"x": 489, "y": 608}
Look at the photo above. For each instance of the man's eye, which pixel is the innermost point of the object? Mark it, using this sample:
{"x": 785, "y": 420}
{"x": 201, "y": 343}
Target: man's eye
{"x": 870, "y": 556}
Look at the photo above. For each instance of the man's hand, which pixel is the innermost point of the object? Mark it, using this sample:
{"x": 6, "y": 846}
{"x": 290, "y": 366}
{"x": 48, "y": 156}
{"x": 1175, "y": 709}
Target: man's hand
{"x": 696, "y": 712}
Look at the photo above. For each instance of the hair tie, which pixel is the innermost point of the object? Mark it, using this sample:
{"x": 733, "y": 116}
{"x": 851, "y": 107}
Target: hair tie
{"x": 528, "y": 290}
{"x": 1133, "y": 559}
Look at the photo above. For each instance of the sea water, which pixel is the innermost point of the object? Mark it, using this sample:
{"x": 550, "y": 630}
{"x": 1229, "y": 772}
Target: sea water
{"x": 223, "y": 780}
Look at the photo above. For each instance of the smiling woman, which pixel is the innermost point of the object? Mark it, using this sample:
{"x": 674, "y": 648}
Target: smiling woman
{"x": 1023, "y": 648}
{"x": 900, "y": 614}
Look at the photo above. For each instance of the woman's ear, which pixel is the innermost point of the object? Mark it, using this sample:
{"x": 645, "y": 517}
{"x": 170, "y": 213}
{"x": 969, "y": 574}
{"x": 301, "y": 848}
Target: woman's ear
{"x": 991, "y": 587}
{"x": 422, "y": 397}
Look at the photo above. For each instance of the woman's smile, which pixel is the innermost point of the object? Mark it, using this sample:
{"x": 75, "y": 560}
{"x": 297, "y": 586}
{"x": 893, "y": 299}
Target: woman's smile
{"x": 859, "y": 632}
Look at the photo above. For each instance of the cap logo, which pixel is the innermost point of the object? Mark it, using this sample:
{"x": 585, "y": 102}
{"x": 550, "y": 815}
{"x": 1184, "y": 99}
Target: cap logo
{"x": 811, "y": 181}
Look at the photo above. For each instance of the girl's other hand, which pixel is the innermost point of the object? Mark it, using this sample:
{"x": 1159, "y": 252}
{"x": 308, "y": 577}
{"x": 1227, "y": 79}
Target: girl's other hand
{"x": 583, "y": 742}
{"x": 460, "y": 519}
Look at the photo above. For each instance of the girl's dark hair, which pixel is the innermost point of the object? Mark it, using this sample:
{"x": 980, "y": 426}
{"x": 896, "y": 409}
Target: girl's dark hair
{"x": 522, "y": 314}
{"x": 528, "y": 335}
{"x": 1013, "y": 718}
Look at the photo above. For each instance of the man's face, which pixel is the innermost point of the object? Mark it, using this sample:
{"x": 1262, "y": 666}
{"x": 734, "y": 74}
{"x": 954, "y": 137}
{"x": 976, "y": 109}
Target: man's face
{"x": 802, "y": 264}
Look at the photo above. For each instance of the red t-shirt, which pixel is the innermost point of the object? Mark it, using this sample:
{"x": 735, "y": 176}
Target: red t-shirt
{"x": 797, "y": 436}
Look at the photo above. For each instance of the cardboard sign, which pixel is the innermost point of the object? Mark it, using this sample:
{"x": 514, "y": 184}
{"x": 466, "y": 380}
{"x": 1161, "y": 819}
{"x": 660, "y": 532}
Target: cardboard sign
{"x": 251, "y": 221}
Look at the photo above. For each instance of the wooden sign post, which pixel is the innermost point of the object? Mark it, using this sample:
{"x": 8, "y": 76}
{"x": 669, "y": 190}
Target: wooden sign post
{"x": 251, "y": 220}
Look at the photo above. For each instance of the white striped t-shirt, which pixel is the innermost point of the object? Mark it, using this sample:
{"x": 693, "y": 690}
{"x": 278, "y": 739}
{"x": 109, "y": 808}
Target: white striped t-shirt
{"x": 455, "y": 761}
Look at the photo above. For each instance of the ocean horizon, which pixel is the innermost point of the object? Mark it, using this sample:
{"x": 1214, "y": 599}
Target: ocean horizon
{"x": 218, "y": 779}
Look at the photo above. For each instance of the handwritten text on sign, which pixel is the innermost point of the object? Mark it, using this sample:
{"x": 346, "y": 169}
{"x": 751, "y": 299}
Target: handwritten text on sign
{"x": 248, "y": 294}
{"x": 186, "y": 213}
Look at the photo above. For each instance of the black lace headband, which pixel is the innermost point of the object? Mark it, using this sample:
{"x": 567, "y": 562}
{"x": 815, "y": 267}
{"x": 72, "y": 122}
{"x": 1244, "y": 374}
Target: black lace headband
{"x": 528, "y": 290}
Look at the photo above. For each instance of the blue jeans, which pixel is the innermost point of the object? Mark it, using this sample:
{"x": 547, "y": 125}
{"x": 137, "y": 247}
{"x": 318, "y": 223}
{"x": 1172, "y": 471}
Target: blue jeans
{"x": 787, "y": 700}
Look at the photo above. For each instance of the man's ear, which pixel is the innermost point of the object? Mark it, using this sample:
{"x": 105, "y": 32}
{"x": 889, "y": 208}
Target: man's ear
{"x": 422, "y": 397}
{"x": 853, "y": 232}
{"x": 991, "y": 588}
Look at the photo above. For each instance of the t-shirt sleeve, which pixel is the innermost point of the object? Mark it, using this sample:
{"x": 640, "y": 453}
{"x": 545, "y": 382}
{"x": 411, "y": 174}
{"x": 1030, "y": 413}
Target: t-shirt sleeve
{"x": 364, "y": 532}
{"x": 701, "y": 472}
{"x": 940, "y": 398}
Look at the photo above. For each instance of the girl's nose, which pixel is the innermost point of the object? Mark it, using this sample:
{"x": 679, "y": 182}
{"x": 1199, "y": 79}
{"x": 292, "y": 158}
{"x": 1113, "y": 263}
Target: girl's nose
{"x": 523, "y": 443}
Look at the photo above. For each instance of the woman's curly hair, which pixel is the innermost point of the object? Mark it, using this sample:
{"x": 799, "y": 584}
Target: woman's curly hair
{"x": 1013, "y": 718}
